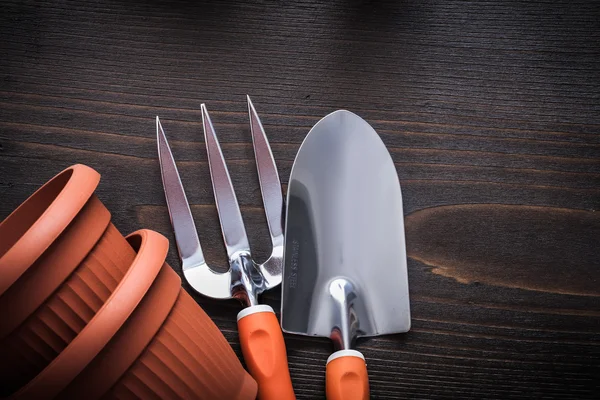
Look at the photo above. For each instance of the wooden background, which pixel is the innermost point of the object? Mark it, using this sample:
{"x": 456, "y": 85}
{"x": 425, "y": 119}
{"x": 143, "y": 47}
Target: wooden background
{"x": 491, "y": 111}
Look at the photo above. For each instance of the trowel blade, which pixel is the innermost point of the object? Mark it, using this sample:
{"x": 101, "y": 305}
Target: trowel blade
{"x": 345, "y": 253}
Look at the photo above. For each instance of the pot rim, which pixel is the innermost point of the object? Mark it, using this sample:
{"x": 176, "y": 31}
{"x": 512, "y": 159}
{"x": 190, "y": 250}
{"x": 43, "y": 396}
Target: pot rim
{"x": 107, "y": 321}
{"x": 32, "y": 243}
{"x": 36, "y": 286}
{"x": 130, "y": 342}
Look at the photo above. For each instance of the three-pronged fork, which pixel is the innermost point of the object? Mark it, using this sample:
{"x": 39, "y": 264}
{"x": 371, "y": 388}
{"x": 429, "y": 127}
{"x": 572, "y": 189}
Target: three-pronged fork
{"x": 261, "y": 339}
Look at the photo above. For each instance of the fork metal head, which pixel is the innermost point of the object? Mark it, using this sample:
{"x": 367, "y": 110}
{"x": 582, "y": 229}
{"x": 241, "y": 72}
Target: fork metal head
{"x": 245, "y": 279}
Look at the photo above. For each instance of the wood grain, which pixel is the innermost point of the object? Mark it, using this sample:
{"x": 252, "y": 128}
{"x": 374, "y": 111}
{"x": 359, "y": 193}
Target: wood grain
{"x": 491, "y": 111}
{"x": 492, "y": 244}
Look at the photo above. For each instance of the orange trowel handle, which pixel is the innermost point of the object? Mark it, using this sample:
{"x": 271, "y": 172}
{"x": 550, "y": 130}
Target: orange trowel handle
{"x": 347, "y": 376}
{"x": 264, "y": 352}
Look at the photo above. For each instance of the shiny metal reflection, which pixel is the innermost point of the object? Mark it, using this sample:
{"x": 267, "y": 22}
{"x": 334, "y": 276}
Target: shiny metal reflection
{"x": 245, "y": 279}
{"x": 344, "y": 270}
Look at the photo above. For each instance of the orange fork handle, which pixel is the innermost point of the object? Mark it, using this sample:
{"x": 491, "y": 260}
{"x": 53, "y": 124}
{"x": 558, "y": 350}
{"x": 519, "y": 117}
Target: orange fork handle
{"x": 264, "y": 352}
{"x": 347, "y": 377}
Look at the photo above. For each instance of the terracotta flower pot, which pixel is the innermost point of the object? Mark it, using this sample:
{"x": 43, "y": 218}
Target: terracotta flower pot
{"x": 131, "y": 340}
{"x": 84, "y": 316}
{"x": 64, "y": 213}
{"x": 62, "y": 258}
{"x": 35, "y": 343}
{"x": 53, "y": 267}
{"x": 189, "y": 358}
{"x": 105, "y": 323}
{"x": 34, "y": 226}
{"x": 168, "y": 348}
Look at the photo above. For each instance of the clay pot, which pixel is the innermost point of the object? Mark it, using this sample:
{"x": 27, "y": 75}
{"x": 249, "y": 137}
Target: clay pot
{"x": 53, "y": 267}
{"x": 131, "y": 340}
{"x": 53, "y": 326}
{"x": 105, "y": 323}
{"x": 189, "y": 358}
{"x": 169, "y": 349}
{"x": 34, "y": 226}
{"x": 84, "y": 316}
{"x": 35, "y": 343}
{"x": 60, "y": 260}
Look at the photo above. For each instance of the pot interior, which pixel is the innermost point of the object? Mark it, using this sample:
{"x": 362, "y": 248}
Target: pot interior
{"x": 15, "y": 226}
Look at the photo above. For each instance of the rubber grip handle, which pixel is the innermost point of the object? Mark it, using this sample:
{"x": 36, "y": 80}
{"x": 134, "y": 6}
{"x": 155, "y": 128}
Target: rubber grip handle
{"x": 264, "y": 351}
{"x": 347, "y": 377}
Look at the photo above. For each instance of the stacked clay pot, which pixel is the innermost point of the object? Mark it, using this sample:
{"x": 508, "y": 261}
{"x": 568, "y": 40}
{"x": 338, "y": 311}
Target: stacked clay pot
{"x": 88, "y": 313}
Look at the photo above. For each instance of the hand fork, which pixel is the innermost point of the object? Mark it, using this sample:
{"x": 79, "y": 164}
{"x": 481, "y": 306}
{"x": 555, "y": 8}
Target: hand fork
{"x": 261, "y": 338}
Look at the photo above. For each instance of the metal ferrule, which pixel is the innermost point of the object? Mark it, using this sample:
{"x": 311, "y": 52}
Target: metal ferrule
{"x": 246, "y": 280}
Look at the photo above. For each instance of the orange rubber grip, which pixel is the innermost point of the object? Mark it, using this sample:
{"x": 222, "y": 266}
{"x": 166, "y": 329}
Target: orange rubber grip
{"x": 347, "y": 377}
{"x": 264, "y": 352}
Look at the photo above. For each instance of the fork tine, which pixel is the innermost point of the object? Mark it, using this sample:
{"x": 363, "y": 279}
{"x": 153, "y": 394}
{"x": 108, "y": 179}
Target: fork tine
{"x": 270, "y": 186}
{"x": 232, "y": 225}
{"x": 182, "y": 221}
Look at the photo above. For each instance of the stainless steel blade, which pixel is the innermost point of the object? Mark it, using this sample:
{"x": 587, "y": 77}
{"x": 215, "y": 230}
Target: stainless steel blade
{"x": 345, "y": 257}
{"x": 184, "y": 227}
{"x": 230, "y": 216}
{"x": 199, "y": 275}
{"x": 270, "y": 188}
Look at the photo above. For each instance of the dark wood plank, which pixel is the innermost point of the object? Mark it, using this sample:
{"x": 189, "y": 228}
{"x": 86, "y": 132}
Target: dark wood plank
{"x": 491, "y": 111}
